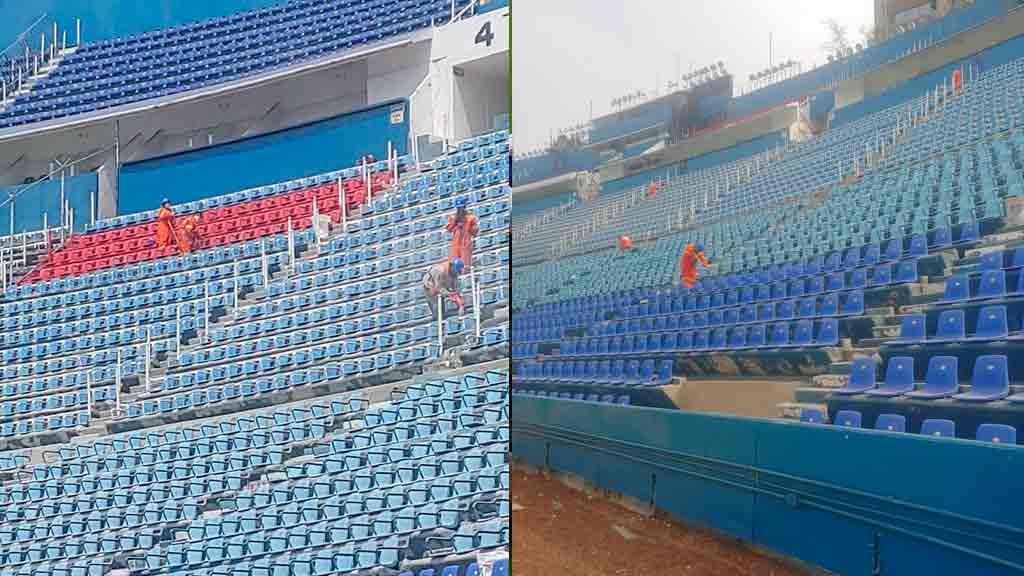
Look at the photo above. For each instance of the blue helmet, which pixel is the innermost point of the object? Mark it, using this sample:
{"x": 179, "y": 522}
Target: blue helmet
{"x": 458, "y": 265}
{"x": 699, "y": 246}
{"x": 165, "y": 201}
{"x": 460, "y": 202}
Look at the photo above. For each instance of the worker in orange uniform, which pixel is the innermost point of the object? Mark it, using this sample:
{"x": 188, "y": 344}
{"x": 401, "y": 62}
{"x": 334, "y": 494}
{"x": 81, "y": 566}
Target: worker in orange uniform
{"x": 652, "y": 190}
{"x": 625, "y": 243}
{"x": 692, "y": 255}
{"x": 958, "y": 80}
{"x": 188, "y": 235}
{"x": 463, "y": 227}
{"x": 165, "y": 224}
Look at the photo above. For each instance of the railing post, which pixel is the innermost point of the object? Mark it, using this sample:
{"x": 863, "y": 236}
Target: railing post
{"x": 291, "y": 246}
{"x": 177, "y": 332}
{"x": 206, "y": 312}
{"x": 264, "y": 267}
{"x": 476, "y": 303}
{"x": 88, "y": 388}
{"x": 78, "y": 32}
{"x": 440, "y": 325}
{"x": 117, "y": 374}
{"x": 147, "y": 355}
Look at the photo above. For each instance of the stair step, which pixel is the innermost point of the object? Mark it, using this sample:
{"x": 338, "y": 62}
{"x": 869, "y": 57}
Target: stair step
{"x": 811, "y": 395}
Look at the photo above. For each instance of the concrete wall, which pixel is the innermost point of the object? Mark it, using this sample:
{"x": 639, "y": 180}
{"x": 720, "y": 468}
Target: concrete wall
{"x": 855, "y": 502}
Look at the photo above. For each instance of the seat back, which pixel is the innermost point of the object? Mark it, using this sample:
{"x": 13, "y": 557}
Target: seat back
{"x": 891, "y": 423}
{"x": 938, "y": 427}
{"x": 996, "y": 433}
{"x": 990, "y": 375}
{"x": 951, "y": 325}
{"x": 899, "y": 373}
{"x": 848, "y": 418}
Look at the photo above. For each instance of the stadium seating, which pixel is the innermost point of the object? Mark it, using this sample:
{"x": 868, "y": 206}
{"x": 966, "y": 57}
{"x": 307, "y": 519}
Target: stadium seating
{"x": 111, "y": 73}
{"x": 216, "y": 393}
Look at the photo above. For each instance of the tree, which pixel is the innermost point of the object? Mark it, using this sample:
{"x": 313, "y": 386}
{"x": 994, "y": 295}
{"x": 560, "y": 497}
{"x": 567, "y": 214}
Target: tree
{"x": 837, "y": 42}
{"x": 870, "y": 34}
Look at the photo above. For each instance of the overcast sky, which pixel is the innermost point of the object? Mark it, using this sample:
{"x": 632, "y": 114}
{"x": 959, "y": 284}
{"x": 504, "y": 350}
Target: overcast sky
{"x": 567, "y": 53}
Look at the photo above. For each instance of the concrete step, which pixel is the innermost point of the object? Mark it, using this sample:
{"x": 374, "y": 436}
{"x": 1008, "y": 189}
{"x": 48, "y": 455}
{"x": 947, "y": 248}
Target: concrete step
{"x": 811, "y": 395}
{"x": 791, "y": 410}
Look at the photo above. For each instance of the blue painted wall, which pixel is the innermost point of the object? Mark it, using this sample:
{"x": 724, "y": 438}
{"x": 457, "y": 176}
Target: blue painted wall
{"x": 104, "y": 19}
{"x": 985, "y": 60}
{"x": 737, "y": 152}
{"x": 837, "y": 498}
{"x": 294, "y": 153}
{"x": 630, "y": 120}
{"x": 553, "y": 163}
{"x": 44, "y": 197}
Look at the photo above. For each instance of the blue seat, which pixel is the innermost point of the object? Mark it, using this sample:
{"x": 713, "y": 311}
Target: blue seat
{"x": 950, "y": 326}
{"x": 991, "y": 324}
{"x": 992, "y": 285}
{"x": 899, "y": 378}
{"x": 958, "y": 288}
{"x": 996, "y": 433}
{"x": 862, "y": 376}
{"x": 938, "y": 427}
{"x": 912, "y": 330}
{"x": 811, "y": 416}
{"x": 891, "y": 423}
{"x": 990, "y": 380}
{"x": 847, "y": 418}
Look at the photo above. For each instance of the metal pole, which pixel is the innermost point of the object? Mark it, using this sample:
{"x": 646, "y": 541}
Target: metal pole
{"x": 476, "y": 303}
{"x": 78, "y": 31}
{"x": 117, "y": 375}
{"x": 177, "y": 331}
{"x": 440, "y": 325}
{"x": 88, "y": 389}
{"x": 206, "y": 311}
{"x": 63, "y": 213}
{"x": 234, "y": 300}
{"x": 344, "y": 208}
{"x": 46, "y": 233}
{"x": 316, "y": 225}
{"x": 264, "y": 267}
{"x": 291, "y": 245}
{"x": 148, "y": 352}
{"x": 92, "y": 208}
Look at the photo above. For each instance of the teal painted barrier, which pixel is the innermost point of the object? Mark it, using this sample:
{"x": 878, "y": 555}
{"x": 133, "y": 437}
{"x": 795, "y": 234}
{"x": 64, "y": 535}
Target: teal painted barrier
{"x": 32, "y": 201}
{"x": 316, "y": 148}
{"x": 855, "y": 502}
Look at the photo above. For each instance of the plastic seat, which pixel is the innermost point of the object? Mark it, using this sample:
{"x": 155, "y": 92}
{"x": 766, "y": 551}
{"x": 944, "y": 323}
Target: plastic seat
{"x": 899, "y": 378}
{"x": 990, "y": 380}
{"x": 912, "y": 331}
{"x": 941, "y": 381}
{"x": 939, "y": 428}
{"x": 996, "y": 433}
{"x": 862, "y": 376}
{"x": 891, "y": 423}
{"x": 847, "y": 418}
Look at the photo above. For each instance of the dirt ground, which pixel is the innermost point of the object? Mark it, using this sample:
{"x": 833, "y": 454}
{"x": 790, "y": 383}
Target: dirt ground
{"x": 559, "y": 530}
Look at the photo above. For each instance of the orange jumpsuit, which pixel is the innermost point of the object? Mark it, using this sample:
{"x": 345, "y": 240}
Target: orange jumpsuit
{"x": 625, "y": 243}
{"x": 688, "y": 265}
{"x": 463, "y": 234}
{"x": 164, "y": 227}
{"x": 958, "y": 80}
{"x": 652, "y": 190}
{"x": 188, "y": 236}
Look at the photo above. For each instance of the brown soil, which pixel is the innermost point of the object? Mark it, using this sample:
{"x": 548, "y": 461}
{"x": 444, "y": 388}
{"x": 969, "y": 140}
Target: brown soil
{"x": 559, "y": 530}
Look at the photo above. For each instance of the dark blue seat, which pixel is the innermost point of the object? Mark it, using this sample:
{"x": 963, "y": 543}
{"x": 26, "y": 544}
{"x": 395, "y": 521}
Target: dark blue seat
{"x": 899, "y": 378}
{"x": 992, "y": 285}
{"x": 891, "y": 423}
{"x": 991, "y": 324}
{"x": 941, "y": 381}
{"x": 950, "y": 327}
{"x": 996, "y": 433}
{"x": 862, "y": 376}
{"x": 811, "y": 416}
{"x": 989, "y": 381}
{"x": 938, "y": 427}
{"x": 881, "y": 275}
{"x": 847, "y": 418}
{"x": 912, "y": 331}
{"x": 906, "y": 271}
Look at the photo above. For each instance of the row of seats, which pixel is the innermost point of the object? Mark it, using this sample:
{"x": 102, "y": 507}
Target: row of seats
{"x": 990, "y": 380}
{"x": 935, "y": 427}
{"x": 991, "y": 325}
{"x": 637, "y": 372}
